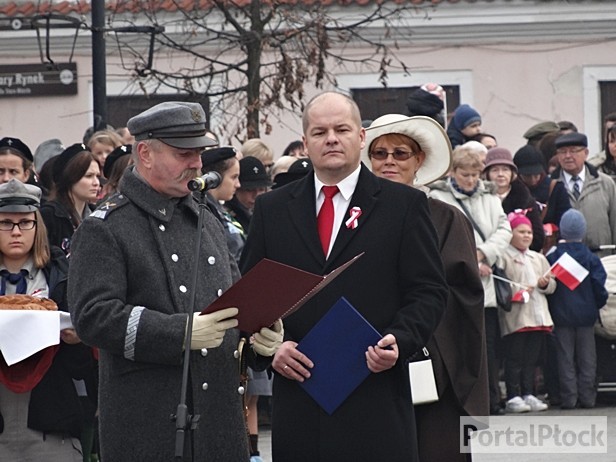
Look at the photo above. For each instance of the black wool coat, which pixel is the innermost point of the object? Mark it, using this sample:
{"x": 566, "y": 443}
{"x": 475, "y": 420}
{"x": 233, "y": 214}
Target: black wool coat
{"x": 519, "y": 197}
{"x": 397, "y": 285}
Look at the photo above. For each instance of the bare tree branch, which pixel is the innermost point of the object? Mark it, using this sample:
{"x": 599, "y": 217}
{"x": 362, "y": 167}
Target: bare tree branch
{"x": 259, "y": 55}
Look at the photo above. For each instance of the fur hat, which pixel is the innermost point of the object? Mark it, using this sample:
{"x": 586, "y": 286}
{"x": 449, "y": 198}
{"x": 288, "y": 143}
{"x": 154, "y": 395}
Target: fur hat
{"x": 572, "y": 226}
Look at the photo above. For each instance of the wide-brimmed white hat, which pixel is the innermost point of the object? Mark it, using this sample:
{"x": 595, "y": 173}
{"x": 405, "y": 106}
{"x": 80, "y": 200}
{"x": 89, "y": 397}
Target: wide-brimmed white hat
{"x": 426, "y": 132}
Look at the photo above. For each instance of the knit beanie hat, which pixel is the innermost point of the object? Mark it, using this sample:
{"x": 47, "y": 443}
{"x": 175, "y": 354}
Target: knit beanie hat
{"x": 464, "y": 116}
{"x": 517, "y": 218}
{"x": 572, "y": 226}
{"x": 529, "y": 160}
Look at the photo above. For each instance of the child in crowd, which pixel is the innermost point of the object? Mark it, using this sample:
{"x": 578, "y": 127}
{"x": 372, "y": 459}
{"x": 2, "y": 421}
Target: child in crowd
{"x": 524, "y": 328}
{"x": 575, "y": 313}
{"x": 464, "y": 125}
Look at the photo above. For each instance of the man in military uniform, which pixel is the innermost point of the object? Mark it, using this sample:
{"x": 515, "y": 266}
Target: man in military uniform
{"x": 129, "y": 291}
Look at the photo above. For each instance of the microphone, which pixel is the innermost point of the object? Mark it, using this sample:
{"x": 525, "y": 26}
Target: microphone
{"x": 208, "y": 181}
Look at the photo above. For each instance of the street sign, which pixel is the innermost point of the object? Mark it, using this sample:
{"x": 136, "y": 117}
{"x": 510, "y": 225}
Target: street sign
{"x": 23, "y": 80}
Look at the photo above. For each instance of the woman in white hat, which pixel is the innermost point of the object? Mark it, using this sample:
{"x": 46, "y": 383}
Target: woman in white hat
{"x": 416, "y": 151}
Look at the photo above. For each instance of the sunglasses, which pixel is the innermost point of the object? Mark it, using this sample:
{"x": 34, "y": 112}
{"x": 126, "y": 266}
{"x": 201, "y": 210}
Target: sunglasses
{"x": 398, "y": 154}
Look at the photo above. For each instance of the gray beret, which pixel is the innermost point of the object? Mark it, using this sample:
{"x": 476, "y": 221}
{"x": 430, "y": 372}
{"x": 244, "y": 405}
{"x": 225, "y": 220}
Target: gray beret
{"x": 571, "y": 139}
{"x": 45, "y": 151}
{"x": 18, "y": 197}
{"x": 176, "y": 123}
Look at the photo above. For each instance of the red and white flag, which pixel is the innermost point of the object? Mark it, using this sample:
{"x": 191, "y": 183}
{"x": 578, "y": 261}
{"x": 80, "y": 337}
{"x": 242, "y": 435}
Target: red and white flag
{"x": 569, "y": 271}
{"x": 521, "y": 296}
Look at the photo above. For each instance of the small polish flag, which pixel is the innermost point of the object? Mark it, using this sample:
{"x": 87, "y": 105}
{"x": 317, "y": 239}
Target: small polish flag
{"x": 569, "y": 271}
{"x": 521, "y": 296}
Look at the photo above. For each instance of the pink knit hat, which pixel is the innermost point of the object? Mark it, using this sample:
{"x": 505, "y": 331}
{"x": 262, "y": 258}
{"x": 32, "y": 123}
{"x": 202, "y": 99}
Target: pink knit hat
{"x": 518, "y": 217}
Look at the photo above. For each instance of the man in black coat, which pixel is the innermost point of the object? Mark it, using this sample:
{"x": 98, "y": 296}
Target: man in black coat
{"x": 397, "y": 285}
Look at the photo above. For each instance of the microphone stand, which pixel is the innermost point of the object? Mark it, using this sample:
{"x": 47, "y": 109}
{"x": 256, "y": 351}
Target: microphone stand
{"x": 183, "y": 420}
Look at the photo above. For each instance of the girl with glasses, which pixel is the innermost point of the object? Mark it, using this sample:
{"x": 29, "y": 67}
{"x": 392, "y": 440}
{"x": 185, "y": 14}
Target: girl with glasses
{"x": 41, "y": 415}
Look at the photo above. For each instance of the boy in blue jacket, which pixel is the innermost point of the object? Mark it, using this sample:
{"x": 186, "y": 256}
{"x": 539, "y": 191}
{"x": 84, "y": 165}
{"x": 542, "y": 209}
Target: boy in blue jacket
{"x": 574, "y": 313}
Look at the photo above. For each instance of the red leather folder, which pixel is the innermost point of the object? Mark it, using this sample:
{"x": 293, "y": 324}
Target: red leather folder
{"x": 272, "y": 290}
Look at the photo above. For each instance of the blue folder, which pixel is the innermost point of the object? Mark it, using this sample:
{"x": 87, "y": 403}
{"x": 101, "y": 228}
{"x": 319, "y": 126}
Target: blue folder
{"x": 337, "y": 345}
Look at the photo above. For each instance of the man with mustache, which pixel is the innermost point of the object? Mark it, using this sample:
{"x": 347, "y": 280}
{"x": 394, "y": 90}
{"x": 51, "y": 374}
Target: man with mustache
{"x": 131, "y": 301}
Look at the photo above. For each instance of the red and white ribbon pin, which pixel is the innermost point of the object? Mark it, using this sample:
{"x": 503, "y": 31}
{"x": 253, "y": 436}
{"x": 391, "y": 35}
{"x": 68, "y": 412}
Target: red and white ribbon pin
{"x": 355, "y": 213}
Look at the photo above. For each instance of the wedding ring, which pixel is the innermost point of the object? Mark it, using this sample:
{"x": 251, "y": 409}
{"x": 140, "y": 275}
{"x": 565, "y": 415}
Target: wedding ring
{"x": 285, "y": 367}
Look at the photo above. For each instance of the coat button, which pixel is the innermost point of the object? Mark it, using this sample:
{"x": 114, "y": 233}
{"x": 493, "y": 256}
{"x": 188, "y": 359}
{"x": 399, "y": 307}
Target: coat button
{"x": 183, "y": 289}
{"x": 236, "y": 354}
{"x": 211, "y": 260}
{"x": 219, "y": 292}
{"x": 241, "y": 390}
{"x": 204, "y": 386}
{"x": 174, "y": 257}
{"x": 161, "y": 227}
{"x": 203, "y": 351}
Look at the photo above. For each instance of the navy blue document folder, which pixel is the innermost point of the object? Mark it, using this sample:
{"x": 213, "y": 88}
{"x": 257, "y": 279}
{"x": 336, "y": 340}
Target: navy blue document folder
{"x": 337, "y": 345}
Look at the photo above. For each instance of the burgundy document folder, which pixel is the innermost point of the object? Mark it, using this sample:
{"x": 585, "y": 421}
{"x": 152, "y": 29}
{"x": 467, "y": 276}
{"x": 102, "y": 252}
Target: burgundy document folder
{"x": 272, "y": 290}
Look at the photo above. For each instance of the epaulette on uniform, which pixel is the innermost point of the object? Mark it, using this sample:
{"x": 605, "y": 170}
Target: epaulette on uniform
{"x": 109, "y": 205}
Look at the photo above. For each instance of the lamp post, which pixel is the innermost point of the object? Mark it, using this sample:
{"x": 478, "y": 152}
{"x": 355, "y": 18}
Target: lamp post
{"x": 99, "y": 84}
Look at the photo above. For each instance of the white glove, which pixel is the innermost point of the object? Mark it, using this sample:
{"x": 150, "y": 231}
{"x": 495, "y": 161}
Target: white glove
{"x": 267, "y": 341}
{"x": 209, "y": 330}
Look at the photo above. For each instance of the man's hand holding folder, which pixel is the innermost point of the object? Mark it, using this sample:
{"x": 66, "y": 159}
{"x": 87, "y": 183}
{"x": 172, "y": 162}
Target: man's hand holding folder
{"x": 208, "y": 330}
{"x": 336, "y": 355}
{"x": 261, "y": 303}
{"x": 384, "y": 355}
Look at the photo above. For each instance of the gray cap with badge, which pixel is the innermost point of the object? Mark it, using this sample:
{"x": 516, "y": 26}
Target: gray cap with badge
{"x": 17, "y": 197}
{"x": 178, "y": 124}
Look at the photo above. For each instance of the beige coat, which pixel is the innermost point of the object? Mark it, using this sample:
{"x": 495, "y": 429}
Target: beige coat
{"x": 526, "y": 269}
{"x": 487, "y": 211}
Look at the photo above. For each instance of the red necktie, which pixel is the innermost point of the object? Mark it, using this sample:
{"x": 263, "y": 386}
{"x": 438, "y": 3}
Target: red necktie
{"x": 325, "y": 218}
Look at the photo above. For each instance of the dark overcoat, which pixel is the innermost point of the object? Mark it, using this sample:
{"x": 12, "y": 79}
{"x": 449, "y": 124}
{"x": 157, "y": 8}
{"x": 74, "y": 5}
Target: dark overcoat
{"x": 458, "y": 346}
{"x": 397, "y": 285}
{"x": 132, "y": 260}
{"x": 60, "y": 228}
{"x": 519, "y": 197}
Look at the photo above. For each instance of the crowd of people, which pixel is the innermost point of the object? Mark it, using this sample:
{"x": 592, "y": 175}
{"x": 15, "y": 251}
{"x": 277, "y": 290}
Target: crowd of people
{"x": 103, "y": 228}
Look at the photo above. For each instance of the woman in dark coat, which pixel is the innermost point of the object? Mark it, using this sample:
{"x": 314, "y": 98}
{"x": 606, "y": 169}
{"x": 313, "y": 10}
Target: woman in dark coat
{"x": 514, "y": 195}
{"x": 457, "y": 347}
{"x": 76, "y": 186}
{"x": 41, "y": 410}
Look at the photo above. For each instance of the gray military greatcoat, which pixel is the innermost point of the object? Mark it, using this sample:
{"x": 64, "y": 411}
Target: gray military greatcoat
{"x": 129, "y": 289}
